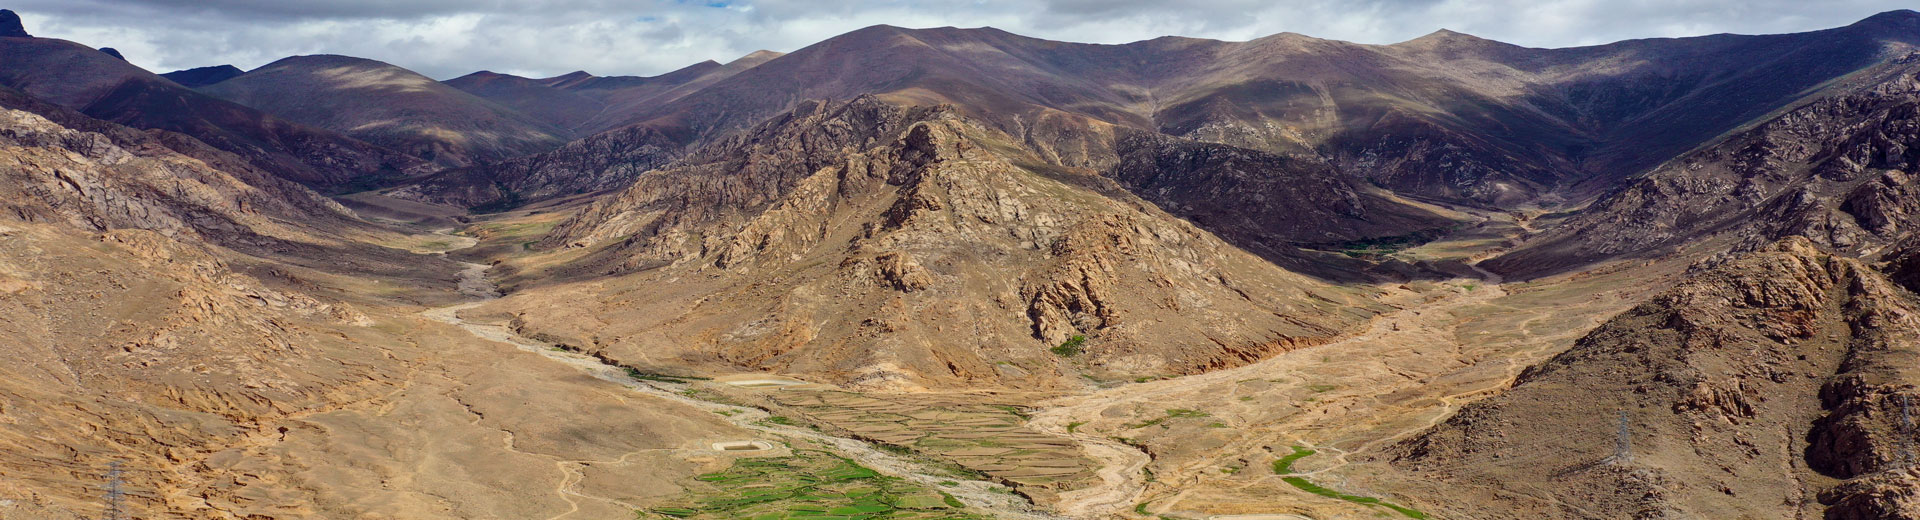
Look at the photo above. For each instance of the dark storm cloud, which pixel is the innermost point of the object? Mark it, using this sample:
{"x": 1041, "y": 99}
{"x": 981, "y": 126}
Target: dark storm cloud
{"x": 446, "y": 38}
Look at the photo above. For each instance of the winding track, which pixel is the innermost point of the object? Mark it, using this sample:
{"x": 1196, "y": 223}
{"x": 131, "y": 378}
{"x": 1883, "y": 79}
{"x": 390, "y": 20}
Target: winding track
{"x": 987, "y": 496}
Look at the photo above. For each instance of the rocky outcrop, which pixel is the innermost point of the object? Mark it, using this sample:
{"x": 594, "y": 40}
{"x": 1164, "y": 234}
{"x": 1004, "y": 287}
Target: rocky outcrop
{"x": 1760, "y": 376}
{"x": 601, "y": 163}
{"x": 10, "y": 26}
{"x": 887, "y": 246}
{"x": 113, "y": 177}
{"x": 1835, "y": 170}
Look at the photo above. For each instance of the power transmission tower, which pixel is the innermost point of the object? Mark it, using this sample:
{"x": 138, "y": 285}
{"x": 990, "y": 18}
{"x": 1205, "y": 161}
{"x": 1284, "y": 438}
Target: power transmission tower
{"x": 1623, "y": 445}
{"x": 116, "y": 497}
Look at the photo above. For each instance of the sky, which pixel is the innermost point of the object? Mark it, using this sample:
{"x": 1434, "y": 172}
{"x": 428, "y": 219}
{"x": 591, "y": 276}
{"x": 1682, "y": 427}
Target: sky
{"x": 448, "y": 38}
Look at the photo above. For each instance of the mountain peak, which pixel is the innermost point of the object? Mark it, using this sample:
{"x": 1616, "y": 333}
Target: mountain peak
{"x": 113, "y": 52}
{"x": 10, "y": 25}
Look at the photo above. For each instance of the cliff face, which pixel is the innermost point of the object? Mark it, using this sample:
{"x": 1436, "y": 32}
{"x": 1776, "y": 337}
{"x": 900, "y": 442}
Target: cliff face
{"x": 884, "y": 246}
{"x": 1777, "y": 377}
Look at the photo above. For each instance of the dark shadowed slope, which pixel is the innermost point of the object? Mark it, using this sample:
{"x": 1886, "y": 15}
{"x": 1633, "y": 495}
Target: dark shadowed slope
{"x": 101, "y": 86}
{"x": 203, "y": 76}
{"x": 1836, "y": 169}
{"x": 586, "y": 104}
{"x": 390, "y": 106}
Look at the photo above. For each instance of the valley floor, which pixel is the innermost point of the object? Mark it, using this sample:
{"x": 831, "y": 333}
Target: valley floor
{"x": 1199, "y": 446}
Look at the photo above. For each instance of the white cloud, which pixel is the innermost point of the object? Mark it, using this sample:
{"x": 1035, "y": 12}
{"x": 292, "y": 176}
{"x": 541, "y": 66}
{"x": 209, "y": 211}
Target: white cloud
{"x": 446, "y": 38}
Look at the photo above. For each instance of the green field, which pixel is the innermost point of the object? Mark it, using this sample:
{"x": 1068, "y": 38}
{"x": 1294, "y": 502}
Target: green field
{"x": 809, "y": 485}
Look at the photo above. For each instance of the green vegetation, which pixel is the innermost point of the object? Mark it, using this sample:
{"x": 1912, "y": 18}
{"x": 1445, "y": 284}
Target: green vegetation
{"x": 1075, "y": 425}
{"x": 1174, "y": 413}
{"x": 1071, "y": 347}
{"x": 1284, "y": 466}
{"x": 1321, "y": 388}
{"x": 664, "y": 378}
{"x": 809, "y": 485}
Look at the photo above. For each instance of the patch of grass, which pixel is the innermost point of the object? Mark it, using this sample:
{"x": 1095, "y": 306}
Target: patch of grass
{"x": 1073, "y": 346}
{"x": 1015, "y": 410}
{"x": 1321, "y": 388}
{"x": 1075, "y": 425}
{"x": 809, "y": 484}
{"x": 781, "y": 420}
{"x": 1316, "y": 489}
{"x": 664, "y": 378}
{"x": 1284, "y": 466}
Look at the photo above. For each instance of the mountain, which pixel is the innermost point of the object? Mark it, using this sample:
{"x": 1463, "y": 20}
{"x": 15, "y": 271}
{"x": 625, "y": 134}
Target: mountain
{"x": 1447, "y": 116}
{"x": 1834, "y": 169}
{"x": 389, "y": 106}
{"x": 555, "y": 106}
{"x": 854, "y": 239}
{"x": 1768, "y": 386}
{"x": 203, "y": 76}
{"x": 587, "y": 104}
{"x": 100, "y": 86}
{"x": 1512, "y": 123}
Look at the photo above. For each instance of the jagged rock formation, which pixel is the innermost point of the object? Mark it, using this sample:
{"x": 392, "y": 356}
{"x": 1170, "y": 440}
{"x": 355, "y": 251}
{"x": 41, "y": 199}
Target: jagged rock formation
{"x": 203, "y": 76}
{"x": 885, "y": 246}
{"x": 389, "y": 106}
{"x": 1836, "y": 169}
{"x": 10, "y": 26}
{"x": 1773, "y": 380}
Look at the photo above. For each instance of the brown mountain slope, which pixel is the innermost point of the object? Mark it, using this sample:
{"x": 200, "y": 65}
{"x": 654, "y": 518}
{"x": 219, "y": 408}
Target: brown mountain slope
{"x": 100, "y": 86}
{"x": 586, "y": 104}
{"x": 1445, "y": 115}
{"x": 1835, "y": 169}
{"x": 1769, "y": 386}
{"x": 555, "y": 106}
{"x": 884, "y": 246}
{"x": 390, "y": 106}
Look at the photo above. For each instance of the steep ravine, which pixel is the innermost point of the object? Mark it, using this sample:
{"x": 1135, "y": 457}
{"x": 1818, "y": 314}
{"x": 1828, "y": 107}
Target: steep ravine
{"x": 984, "y": 495}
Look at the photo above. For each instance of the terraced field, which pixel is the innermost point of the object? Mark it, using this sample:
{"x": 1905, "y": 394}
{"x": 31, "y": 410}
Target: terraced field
{"x": 966, "y": 430}
{"x": 809, "y": 485}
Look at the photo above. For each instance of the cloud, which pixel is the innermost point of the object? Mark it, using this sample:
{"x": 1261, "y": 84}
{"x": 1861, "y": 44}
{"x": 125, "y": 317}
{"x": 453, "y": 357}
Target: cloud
{"x": 447, "y": 38}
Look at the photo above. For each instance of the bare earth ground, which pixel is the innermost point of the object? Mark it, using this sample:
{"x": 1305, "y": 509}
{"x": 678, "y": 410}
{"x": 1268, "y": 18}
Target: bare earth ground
{"x": 1202, "y": 446}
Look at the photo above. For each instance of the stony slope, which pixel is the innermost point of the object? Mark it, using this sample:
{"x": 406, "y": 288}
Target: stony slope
{"x": 894, "y": 247}
{"x": 1835, "y": 169}
{"x": 1766, "y": 386}
{"x": 389, "y": 106}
